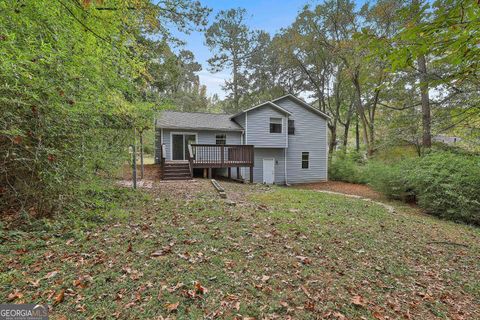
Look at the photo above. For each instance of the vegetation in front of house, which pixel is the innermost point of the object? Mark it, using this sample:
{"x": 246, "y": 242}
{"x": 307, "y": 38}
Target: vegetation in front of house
{"x": 181, "y": 251}
{"x": 444, "y": 183}
{"x": 76, "y": 83}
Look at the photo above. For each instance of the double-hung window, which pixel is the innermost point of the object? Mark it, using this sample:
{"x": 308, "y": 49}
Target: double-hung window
{"x": 220, "y": 138}
{"x": 305, "y": 160}
{"x": 275, "y": 125}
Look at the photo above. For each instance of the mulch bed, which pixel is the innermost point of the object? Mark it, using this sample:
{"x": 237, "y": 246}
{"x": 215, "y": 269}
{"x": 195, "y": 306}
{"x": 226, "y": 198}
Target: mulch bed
{"x": 151, "y": 172}
{"x": 344, "y": 187}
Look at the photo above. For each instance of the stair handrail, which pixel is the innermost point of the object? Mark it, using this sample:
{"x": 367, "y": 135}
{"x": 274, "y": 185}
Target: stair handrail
{"x": 162, "y": 158}
{"x": 190, "y": 159}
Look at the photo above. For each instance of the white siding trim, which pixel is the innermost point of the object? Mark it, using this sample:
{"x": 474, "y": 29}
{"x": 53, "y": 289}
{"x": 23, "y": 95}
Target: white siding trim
{"x": 326, "y": 152}
{"x": 246, "y": 127}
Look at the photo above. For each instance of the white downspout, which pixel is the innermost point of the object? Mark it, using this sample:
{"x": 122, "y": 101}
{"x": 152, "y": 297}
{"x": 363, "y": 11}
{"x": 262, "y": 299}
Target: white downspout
{"x": 285, "y": 152}
{"x": 246, "y": 139}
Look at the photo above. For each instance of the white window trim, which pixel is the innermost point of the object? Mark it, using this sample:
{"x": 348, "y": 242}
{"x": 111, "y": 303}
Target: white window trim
{"x": 308, "y": 160}
{"x": 221, "y": 133}
{"x": 281, "y": 125}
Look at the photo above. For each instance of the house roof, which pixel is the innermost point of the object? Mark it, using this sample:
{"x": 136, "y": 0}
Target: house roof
{"x": 303, "y": 104}
{"x": 268, "y": 103}
{"x": 196, "y": 120}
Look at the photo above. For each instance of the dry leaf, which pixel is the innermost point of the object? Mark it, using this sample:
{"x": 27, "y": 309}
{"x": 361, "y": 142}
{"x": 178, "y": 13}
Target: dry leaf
{"x": 164, "y": 251}
{"x": 309, "y": 305}
{"x": 200, "y": 289}
{"x": 358, "y": 301}
{"x": 172, "y": 307}
{"x": 14, "y": 295}
{"x": 129, "y": 249}
{"x": 306, "y": 291}
{"x": 339, "y": 315}
{"x": 17, "y": 139}
{"x": 51, "y": 274}
{"x": 377, "y": 315}
{"x": 304, "y": 260}
{"x": 59, "y": 297}
{"x": 79, "y": 283}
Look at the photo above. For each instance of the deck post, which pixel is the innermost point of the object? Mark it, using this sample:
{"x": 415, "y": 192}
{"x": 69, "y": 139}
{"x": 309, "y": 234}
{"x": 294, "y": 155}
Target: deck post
{"x": 222, "y": 155}
{"x": 205, "y": 172}
{"x": 238, "y": 172}
{"x": 229, "y": 172}
{"x": 251, "y": 174}
{"x": 209, "y": 173}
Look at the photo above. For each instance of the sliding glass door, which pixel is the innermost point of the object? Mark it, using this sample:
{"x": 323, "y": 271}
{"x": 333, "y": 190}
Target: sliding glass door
{"x": 180, "y": 143}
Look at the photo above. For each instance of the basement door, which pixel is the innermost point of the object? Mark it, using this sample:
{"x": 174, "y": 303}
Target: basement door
{"x": 268, "y": 171}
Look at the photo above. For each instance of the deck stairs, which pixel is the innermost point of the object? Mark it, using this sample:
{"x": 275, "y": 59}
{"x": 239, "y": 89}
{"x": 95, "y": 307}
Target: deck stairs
{"x": 176, "y": 170}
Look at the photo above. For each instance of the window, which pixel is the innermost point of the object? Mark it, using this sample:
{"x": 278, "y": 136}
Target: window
{"x": 221, "y": 138}
{"x": 291, "y": 127}
{"x": 275, "y": 125}
{"x": 305, "y": 160}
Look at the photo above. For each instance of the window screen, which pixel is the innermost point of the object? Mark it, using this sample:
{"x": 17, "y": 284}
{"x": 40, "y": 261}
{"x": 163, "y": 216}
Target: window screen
{"x": 275, "y": 125}
{"x": 291, "y": 127}
{"x": 305, "y": 160}
{"x": 221, "y": 138}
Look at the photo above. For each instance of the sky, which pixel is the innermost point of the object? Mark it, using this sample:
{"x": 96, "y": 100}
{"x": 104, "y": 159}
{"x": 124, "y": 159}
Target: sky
{"x": 267, "y": 15}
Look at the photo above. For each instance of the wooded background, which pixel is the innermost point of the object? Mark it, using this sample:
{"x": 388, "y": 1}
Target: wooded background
{"x": 79, "y": 77}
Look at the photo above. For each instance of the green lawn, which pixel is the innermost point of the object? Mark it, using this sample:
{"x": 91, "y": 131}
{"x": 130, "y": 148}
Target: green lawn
{"x": 180, "y": 251}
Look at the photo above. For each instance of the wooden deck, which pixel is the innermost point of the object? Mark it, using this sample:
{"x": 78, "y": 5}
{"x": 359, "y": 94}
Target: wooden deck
{"x": 221, "y": 156}
{"x": 210, "y": 156}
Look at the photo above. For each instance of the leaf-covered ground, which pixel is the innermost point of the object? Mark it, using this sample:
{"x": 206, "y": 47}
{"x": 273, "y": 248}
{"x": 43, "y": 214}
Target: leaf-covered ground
{"x": 179, "y": 251}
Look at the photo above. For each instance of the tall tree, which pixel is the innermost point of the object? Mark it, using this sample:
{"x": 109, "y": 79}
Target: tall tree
{"x": 71, "y": 72}
{"x": 232, "y": 44}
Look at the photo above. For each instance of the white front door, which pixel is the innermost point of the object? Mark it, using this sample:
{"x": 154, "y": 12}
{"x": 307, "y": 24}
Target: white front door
{"x": 268, "y": 171}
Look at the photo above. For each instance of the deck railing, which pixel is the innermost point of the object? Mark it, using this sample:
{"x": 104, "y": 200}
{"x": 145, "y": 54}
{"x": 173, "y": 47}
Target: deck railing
{"x": 221, "y": 156}
{"x": 161, "y": 160}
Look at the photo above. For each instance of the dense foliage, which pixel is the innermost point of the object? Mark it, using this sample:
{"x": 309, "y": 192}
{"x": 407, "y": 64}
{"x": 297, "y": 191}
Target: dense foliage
{"x": 444, "y": 183}
{"x": 74, "y": 85}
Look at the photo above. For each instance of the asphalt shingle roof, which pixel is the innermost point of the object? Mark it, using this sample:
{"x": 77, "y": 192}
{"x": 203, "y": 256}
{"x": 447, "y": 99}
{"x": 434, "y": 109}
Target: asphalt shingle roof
{"x": 193, "y": 120}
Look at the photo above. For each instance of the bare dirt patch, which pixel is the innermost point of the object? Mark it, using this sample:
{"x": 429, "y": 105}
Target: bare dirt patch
{"x": 361, "y": 190}
{"x": 151, "y": 172}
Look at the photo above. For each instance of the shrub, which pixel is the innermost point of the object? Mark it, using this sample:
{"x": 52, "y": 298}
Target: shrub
{"x": 443, "y": 183}
{"x": 390, "y": 179}
{"x": 346, "y": 167}
{"x": 447, "y": 184}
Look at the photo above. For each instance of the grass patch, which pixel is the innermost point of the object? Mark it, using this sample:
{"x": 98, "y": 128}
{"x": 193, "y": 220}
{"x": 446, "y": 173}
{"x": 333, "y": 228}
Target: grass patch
{"x": 278, "y": 252}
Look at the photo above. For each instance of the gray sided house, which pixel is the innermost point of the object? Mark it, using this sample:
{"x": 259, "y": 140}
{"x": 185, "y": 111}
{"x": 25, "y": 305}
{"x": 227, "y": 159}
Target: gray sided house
{"x": 283, "y": 141}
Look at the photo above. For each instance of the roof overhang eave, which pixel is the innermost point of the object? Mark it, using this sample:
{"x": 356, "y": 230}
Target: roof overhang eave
{"x": 199, "y": 128}
{"x": 270, "y": 103}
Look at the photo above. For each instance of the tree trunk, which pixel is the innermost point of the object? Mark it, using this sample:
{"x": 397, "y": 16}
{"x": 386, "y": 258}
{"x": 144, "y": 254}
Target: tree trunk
{"x": 333, "y": 138}
{"x": 346, "y": 127}
{"x": 422, "y": 68}
{"x": 361, "y": 113}
{"x": 141, "y": 155}
{"x": 236, "y": 99}
{"x": 357, "y": 133}
{"x": 426, "y": 116}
